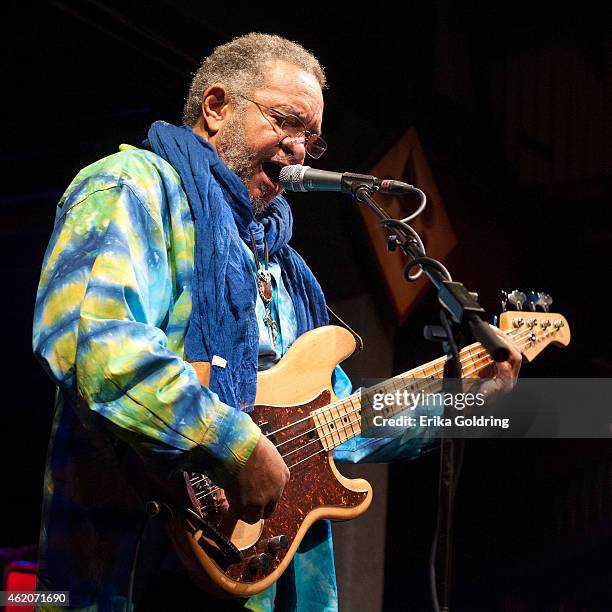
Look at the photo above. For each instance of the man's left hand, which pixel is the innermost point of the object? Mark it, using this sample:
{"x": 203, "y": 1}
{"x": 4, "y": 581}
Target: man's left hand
{"x": 502, "y": 376}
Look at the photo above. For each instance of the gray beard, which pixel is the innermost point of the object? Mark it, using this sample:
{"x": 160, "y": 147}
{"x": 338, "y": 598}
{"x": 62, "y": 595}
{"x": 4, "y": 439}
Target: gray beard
{"x": 239, "y": 157}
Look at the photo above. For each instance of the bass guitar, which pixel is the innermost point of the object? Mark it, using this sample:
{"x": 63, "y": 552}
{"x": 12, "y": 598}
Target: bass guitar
{"x": 296, "y": 408}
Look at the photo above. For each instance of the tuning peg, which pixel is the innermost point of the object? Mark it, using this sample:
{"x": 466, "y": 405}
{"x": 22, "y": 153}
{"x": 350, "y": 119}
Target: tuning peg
{"x": 532, "y": 300}
{"x": 517, "y": 299}
{"x": 503, "y": 297}
{"x": 544, "y": 301}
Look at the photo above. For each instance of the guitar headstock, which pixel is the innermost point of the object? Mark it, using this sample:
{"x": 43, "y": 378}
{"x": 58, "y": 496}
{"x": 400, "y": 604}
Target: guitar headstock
{"x": 532, "y": 332}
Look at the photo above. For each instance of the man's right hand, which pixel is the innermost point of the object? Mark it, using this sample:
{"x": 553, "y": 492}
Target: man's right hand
{"x": 259, "y": 484}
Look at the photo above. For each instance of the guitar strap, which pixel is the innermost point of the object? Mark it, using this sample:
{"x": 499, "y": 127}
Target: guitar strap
{"x": 358, "y": 338}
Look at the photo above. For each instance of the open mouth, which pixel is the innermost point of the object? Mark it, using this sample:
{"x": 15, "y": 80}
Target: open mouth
{"x": 272, "y": 170}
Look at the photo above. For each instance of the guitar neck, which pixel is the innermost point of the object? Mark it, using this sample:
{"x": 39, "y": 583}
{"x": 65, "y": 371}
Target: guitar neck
{"x": 530, "y": 331}
{"x": 341, "y": 421}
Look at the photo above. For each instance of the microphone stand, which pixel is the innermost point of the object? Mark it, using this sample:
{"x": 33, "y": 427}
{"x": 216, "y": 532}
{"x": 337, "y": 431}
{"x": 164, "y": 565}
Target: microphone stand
{"x": 459, "y": 310}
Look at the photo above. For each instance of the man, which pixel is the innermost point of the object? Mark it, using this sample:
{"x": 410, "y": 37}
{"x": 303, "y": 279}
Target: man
{"x": 160, "y": 257}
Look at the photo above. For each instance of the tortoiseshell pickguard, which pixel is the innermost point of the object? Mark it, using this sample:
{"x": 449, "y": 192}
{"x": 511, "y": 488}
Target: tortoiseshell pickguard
{"x": 312, "y": 483}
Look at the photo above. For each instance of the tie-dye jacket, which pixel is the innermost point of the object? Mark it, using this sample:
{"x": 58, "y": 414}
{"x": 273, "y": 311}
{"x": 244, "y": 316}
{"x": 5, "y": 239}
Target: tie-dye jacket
{"x": 111, "y": 312}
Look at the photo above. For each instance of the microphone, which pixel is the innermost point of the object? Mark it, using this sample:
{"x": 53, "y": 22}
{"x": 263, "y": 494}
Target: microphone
{"x": 305, "y": 178}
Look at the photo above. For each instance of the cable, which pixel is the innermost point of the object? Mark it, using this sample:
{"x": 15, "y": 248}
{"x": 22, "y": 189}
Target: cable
{"x": 421, "y": 207}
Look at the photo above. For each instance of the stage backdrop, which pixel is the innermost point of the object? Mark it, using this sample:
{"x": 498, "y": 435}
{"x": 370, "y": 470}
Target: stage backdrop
{"x": 406, "y": 161}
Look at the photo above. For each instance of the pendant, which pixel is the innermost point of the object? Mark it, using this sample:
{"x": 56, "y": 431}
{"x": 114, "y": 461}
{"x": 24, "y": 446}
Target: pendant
{"x": 264, "y": 285}
{"x": 271, "y": 324}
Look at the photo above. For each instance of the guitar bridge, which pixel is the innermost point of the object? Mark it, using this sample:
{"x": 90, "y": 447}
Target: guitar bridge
{"x": 205, "y": 496}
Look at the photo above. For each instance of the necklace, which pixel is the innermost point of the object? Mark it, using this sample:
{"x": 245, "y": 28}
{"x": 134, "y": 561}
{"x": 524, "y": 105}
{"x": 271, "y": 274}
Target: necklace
{"x": 264, "y": 287}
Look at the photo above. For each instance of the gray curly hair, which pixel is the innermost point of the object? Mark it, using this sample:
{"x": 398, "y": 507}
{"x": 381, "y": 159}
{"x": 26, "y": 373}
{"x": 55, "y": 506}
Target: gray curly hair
{"x": 241, "y": 66}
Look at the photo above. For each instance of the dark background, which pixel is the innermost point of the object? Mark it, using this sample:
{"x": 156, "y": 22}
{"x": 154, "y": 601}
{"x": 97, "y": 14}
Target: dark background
{"x": 512, "y": 105}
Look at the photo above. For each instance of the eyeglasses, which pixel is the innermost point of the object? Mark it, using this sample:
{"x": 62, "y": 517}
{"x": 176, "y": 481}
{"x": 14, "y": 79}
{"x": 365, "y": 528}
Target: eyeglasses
{"x": 295, "y": 129}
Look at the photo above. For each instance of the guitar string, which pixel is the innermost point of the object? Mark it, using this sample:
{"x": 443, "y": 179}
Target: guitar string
{"x": 422, "y": 387}
{"x": 530, "y": 332}
{"x": 435, "y": 363}
{"x": 398, "y": 379}
{"x": 440, "y": 361}
{"x": 486, "y": 359}
{"x": 290, "y": 467}
{"x": 335, "y": 419}
{"x": 337, "y": 432}
{"x": 344, "y": 415}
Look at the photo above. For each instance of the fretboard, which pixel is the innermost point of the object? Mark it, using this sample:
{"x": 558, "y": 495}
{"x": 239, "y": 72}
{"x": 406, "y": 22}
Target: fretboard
{"x": 341, "y": 420}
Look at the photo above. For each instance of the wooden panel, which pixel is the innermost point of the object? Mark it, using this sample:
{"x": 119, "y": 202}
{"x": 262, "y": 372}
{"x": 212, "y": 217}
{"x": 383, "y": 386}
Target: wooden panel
{"x": 554, "y": 104}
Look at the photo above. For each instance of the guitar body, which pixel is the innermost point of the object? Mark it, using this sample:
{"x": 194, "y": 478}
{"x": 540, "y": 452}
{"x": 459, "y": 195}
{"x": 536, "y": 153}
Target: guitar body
{"x": 287, "y": 394}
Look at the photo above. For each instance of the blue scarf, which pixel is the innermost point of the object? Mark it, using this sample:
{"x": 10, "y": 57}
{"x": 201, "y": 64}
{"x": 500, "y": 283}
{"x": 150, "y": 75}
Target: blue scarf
{"x": 223, "y": 321}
